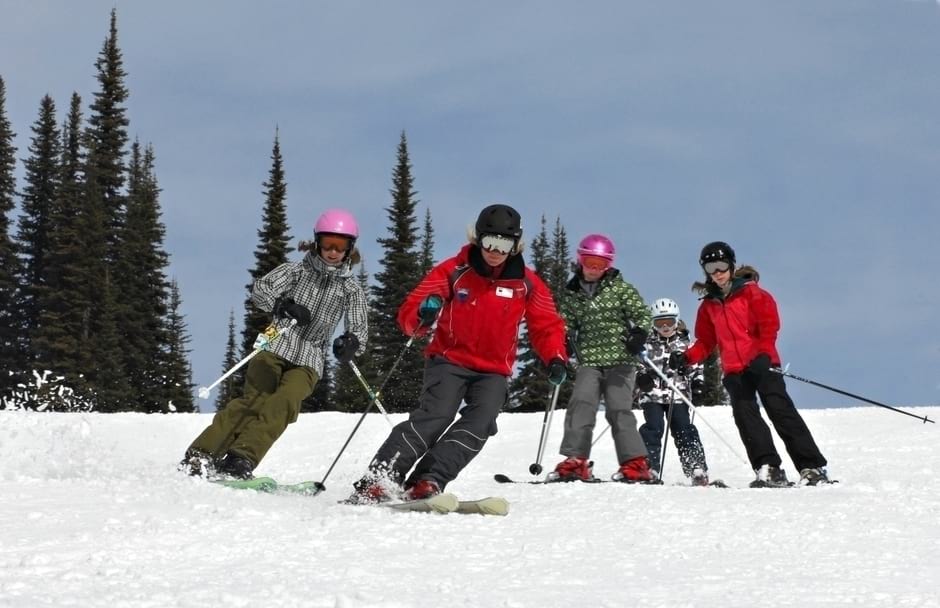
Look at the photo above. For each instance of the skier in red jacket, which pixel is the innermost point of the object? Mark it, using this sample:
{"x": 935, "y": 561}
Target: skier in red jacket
{"x": 740, "y": 318}
{"x": 477, "y": 298}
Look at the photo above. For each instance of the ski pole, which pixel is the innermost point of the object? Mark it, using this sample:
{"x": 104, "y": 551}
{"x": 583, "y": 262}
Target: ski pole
{"x": 373, "y": 396}
{"x": 319, "y": 486}
{"x": 676, "y": 390}
{"x": 599, "y": 435}
{"x": 784, "y": 372}
{"x": 261, "y": 343}
{"x": 662, "y": 457}
{"x": 536, "y": 467}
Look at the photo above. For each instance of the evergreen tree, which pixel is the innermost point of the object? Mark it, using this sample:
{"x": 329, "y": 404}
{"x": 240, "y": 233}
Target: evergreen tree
{"x": 427, "y": 245}
{"x": 272, "y": 250}
{"x": 63, "y": 301}
{"x": 105, "y": 142}
{"x": 35, "y": 223}
{"x": 401, "y": 272}
{"x": 177, "y": 374}
{"x": 560, "y": 263}
{"x": 227, "y": 387}
{"x": 320, "y": 399}
{"x": 714, "y": 390}
{"x": 11, "y": 328}
{"x": 529, "y": 389}
{"x": 107, "y": 138}
{"x": 145, "y": 289}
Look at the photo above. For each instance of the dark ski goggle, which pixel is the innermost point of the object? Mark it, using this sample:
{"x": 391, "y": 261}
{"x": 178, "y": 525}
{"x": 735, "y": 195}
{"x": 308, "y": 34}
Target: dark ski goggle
{"x": 713, "y": 267}
{"x": 665, "y": 323}
{"x": 339, "y": 244}
{"x": 497, "y": 243}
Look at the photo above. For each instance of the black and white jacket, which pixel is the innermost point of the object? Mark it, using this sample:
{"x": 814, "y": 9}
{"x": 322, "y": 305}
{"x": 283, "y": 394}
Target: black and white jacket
{"x": 331, "y": 293}
{"x": 658, "y": 350}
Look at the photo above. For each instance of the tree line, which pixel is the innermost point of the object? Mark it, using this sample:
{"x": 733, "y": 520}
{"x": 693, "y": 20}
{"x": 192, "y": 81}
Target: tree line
{"x": 89, "y": 319}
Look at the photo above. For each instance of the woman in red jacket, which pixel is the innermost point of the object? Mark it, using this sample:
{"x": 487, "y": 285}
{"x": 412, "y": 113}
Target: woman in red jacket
{"x": 477, "y": 298}
{"x": 740, "y": 318}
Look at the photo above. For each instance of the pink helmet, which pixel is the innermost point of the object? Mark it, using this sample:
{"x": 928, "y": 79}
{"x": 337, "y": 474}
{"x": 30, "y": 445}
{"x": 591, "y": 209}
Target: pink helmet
{"x": 337, "y": 221}
{"x": 596, "y": 245}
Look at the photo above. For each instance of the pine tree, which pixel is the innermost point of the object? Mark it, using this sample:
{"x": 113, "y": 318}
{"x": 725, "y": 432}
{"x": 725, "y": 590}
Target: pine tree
{"x": 557, "y": 279}
{"x": 320, "y": 399}
{"x": 105, "y": 142}
{"x": 35, "y": 223}
{"x": 11, "y": 330}
{"x": 177, "y": 374}
{"x": 227, "y": 387}
{"x": 529, "y": 389}
{"x": 107, "y": 138}
{"x": 714, "y": 390}
{"x": 427, "y": 245}
{"x": 272, "y": 250}
{"x": 140, "y": 270}
{"x": 400, "y": 273}
{"x": 62, "y": 302}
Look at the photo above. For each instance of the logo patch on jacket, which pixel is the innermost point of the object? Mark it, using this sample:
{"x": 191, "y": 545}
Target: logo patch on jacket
{"x": 504, "y": 292}
{"x": 462, "y": 294}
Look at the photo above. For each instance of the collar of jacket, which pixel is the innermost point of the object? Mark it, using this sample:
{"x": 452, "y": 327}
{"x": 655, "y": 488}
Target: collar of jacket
{"x": 314, "y": 263}
{"x": 575, "y": 283}
{"x": 514, "y": 267}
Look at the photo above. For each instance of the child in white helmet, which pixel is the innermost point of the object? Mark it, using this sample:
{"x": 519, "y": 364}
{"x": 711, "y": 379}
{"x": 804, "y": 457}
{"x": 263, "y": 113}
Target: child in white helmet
{"x": 656, "y": 398}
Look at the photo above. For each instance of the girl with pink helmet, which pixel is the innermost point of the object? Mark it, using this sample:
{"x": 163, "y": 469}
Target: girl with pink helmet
{"x": 310, "y": 297}
{"x": 606, "y": 320}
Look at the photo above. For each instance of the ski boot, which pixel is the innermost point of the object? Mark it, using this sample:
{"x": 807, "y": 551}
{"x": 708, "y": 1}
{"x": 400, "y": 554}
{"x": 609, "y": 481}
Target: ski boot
{"x": 572, "y": 469}
{"x": 636, "y": 470}
{"x": 770, "y": 477}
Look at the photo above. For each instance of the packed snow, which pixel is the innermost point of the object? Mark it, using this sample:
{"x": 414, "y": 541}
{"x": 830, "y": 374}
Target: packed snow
{"x": 94, "y": 514}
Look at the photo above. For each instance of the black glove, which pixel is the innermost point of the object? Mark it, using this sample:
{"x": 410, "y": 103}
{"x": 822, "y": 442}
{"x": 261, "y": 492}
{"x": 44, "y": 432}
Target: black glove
{"x": 645, "y": 382}
{"x": 557, "y": 372}
{"x": 286, "y": 308}
{"x": 697, "y": 386}
{"x": 345, "y": 346}
{"x": 429, "y": 309}
{"x": 759, "y": 365}
{"x": 571, "y": 345}
{"x": 677, "y": 361}
{"x": 634, "y": 340}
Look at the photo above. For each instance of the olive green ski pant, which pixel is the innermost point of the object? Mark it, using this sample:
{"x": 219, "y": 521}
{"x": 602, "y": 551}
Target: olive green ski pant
{"x": 250, "y": 424}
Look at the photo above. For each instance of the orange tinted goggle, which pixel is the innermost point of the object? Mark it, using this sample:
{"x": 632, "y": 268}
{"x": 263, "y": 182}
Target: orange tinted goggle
{"x": 332, "y": 242}
{"x": 595, "y": 263}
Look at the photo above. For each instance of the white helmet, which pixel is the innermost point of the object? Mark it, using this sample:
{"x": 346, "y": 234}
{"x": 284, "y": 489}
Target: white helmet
{"x": 664, "y": 307}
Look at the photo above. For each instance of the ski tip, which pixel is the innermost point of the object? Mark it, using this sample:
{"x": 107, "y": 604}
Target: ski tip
{"x": 500, "y": 478}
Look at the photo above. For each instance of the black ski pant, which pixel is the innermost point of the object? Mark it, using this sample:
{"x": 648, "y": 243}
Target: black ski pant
{"x": 743, "y": 389}
{"x": 424, "y": 438}
{"x": 687, "y": 440}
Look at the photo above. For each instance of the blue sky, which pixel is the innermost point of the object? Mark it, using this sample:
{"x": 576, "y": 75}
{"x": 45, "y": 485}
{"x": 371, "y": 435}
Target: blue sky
{"x": 806, "y": 134}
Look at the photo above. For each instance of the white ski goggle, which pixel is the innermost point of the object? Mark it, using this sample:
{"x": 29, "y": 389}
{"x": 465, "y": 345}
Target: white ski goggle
{"x": 497, "y": 243}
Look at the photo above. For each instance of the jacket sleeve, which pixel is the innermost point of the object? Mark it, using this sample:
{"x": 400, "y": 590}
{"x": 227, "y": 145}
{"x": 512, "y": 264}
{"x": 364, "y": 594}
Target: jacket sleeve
{"x": 435, "y": 282}
{"x": 267, "y": 289}
{"x": 357, "y": 316}
{"x": 768, "y": 321}
{"x": 635, "y": 308}
{"x": 545, "y": 325}
{"x": 705, "y": 340}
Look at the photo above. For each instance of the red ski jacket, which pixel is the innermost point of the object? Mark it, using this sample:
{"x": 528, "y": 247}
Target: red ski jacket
{"x": 478, "y": 327}
{"x": 742, "y": 325}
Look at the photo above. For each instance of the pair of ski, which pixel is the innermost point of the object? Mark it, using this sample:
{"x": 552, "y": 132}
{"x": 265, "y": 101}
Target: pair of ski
{"x": 500, "y": 478}
{"x": 439, "y": 503}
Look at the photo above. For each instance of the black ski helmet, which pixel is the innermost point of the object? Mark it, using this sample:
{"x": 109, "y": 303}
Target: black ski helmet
{"x": 715, "y": 252}
{"x": 499, "y": 219}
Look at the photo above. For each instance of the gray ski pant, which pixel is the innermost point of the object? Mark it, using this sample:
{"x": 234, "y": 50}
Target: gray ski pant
{"x": 615, "y": 384}
{"x": 421, "y": 439}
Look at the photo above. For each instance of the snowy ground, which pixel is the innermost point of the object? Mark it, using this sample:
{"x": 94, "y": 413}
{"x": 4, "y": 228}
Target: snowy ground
{"x": 93, "y": 514}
